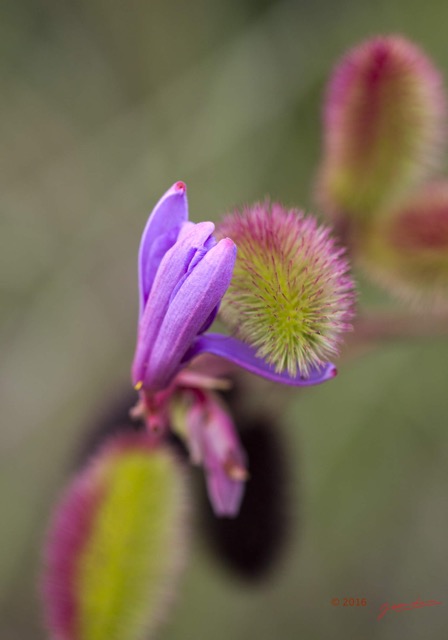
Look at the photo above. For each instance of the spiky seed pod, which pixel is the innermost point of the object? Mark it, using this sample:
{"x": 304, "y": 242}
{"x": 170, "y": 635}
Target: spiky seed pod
{"x": 406, "y": 248}
{"x": 290, "y": 296}
{"x": 384, "y": 126}
{"x": 116, "y": 545}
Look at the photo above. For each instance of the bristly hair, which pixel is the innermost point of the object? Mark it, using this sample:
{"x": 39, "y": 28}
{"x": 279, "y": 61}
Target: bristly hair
{"x": 291, "y": 296}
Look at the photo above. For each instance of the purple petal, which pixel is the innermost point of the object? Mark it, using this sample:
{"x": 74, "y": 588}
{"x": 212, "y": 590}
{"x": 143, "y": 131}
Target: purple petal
{"x": 244, "y": 356}
{"x": 188, "y": 311}
{"x": 172, "y": 269}
{"x": 160, "y": 234}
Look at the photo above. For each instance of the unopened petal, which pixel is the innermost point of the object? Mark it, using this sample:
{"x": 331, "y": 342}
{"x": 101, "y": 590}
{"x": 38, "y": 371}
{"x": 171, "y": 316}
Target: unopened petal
{"x": 244, "y": 356}
{"x": 173, "y": 268}
{"x": 160, "y": 234}
{"x": 188, "y": 311}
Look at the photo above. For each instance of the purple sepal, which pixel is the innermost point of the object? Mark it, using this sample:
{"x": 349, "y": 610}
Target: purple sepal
{"x": 244, "y": 356}
{"x": 159, "y": 235}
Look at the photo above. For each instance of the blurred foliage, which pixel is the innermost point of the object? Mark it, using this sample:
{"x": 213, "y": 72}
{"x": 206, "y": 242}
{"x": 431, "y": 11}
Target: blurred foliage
{"x": 104, "y": 105}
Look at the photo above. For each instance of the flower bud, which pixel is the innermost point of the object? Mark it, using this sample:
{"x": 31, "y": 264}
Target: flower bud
{"x": 115, "y": 546}
{"x": 210, "y": 435}
{"x": 383, "y": 126}
{"x": 406, "y": 249}
{"x": 290, "y": 296}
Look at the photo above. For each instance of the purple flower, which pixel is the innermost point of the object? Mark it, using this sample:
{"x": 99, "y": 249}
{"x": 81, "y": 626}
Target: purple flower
{"x": 183, "y": 275}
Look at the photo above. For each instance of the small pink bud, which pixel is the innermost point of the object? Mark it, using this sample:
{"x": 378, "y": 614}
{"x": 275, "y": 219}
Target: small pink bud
{"x": 384, "y": 120}
{"x": 212, "y": 439}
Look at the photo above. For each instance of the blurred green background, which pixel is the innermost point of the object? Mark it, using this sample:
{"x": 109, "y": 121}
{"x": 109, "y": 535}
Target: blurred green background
{"x": 104, "y": 105}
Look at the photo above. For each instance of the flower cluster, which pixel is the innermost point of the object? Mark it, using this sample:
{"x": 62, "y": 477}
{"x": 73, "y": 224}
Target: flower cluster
{"x": 287, "y": 297}
{"x": 282, "y": 287}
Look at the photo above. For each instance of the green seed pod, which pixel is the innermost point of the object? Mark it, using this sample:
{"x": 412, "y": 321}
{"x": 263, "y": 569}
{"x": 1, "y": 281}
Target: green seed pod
{"x": 117, "y": 544}
{"x": 290, "y": 296}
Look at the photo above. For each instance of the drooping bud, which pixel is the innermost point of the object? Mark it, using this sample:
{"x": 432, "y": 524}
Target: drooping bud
{"x": 383, "y": 126}
{"x": 210, "y": 435}
{"x": 290, "y": 296}
{"x": 116, "y": 545}
{"x": 406, "y": 249}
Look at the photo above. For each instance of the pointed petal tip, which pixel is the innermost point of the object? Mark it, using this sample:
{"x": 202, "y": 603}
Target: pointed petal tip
{"x": 225, "y": 496}
{"x": 227, "y": 249}
{"x": 228, "y": 244}
{"x": 179, "y": 186}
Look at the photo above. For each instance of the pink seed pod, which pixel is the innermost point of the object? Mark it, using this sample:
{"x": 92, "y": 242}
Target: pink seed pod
{"x": 116, "y": 545}
{"x": 383, "y": 127}
{"x": 406, "y": 248}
